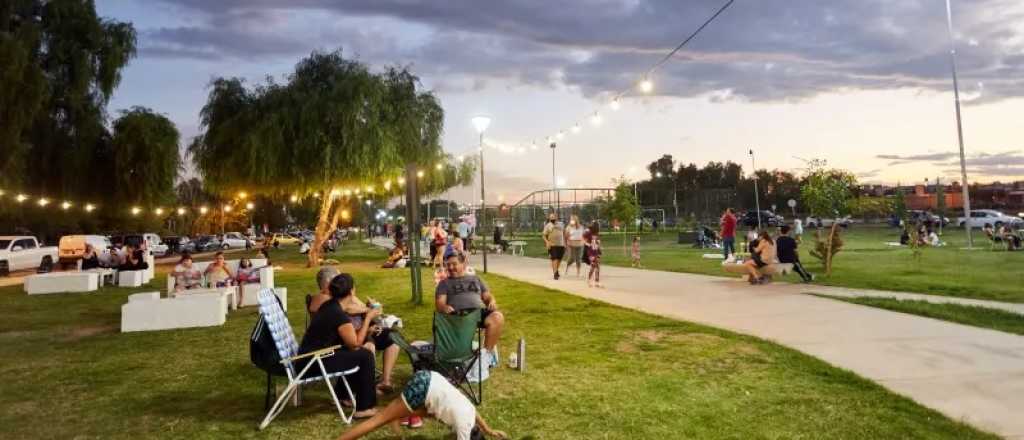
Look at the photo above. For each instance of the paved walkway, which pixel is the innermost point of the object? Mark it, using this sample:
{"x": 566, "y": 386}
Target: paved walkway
{"x": 968, "y": 373}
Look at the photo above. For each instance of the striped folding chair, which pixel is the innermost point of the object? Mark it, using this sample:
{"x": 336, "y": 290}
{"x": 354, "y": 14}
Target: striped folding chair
{"x": 281, "y": 330}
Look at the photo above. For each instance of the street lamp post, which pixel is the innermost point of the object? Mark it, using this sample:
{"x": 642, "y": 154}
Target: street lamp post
{"x": 959, "y": 126}
{"x": 757, "y": 196}
{"x": 554, "y": 180}
{"x": 481, "y": 123}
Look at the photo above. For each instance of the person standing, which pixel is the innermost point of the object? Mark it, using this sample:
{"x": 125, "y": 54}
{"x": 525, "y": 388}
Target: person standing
{"x": 786, "y": 251}
{"x": 574, "y": 235}
{"x": 594, "y": 256}
{"x": 554, "y": 241}
{"x": 728, "y": 233}
{"x": 463, "y": 230}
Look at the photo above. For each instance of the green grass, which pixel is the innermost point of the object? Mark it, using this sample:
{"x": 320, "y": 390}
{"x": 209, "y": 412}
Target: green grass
{"x": 595, "y": 371}
{"x": 864, "y": 262}
{"x": 977, "y": 316}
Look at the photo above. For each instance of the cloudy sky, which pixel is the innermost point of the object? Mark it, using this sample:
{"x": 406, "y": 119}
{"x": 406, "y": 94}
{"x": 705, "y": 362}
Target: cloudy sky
{"x": 865, "y": 84}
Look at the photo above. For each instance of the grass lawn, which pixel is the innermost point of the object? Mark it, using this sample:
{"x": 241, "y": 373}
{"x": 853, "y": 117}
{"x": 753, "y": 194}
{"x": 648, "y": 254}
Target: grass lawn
{"x": 864, "y": 262}
{"x": 595, "y": 371}
{"x": 985, "y": 317}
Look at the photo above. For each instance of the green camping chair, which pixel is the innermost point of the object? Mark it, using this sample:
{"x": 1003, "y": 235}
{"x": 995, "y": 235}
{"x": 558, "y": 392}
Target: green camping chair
{"x": 453, "y": 353}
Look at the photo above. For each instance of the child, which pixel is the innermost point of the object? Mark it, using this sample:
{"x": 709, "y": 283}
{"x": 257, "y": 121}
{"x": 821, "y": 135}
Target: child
{"x": 594, "y": 277}
{"x": 636, "y": 252}
{"x": 429, "y": 393}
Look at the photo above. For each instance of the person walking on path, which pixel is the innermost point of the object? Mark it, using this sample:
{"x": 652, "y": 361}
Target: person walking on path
{"x": 786, "y": 251}
{"x": 574, "y": 237}
{"x": 554, "y": 241}
{"x": 635, "y": 254}
{"x": 728, "y": 233}
{"x": 594, "y": 255}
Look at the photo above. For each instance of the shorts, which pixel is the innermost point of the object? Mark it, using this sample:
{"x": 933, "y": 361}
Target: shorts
{"x": 415, "y": 393}
{"x": 556, "y": 252}
{"x": 484, "y": 313}
{"x": 383, "y": 339}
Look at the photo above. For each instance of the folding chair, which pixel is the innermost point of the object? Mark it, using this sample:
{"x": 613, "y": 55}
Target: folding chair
{"x": 281, "y": 330}
{"x": 453, "y": 353}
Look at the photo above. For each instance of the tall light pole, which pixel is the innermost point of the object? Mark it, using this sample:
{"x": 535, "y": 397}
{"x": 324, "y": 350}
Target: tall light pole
{"x": 757, "y": 196}
{"x": 554, "y": 180}
{"x": 481, "y": 123}
{"x": 959, "y": 126}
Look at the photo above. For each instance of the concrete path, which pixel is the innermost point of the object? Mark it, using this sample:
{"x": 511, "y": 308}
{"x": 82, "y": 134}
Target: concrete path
{"x": 968, "y": 373}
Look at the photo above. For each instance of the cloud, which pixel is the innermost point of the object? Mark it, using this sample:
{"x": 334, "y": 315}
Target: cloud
{"x": 928, "y": 157}
{"x": 869, "y": 174}
{"x": 598, "y": 46}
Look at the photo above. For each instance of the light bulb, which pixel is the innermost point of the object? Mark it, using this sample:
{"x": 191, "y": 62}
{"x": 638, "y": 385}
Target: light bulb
{"x": 576, "y": 128}
{"x": 646, "y": 86}
{"x": 43, "y": 202}
{"x": 202, "y": 210}
{"x": 533, "y": 146}
{"x": 21, "y": 198}
{"x": 159, "y": 211}
{"x": 65, "y": 205}
{"x": 89, "y": 207}
{"x": 249, "y": 205}
{"x": 439, "y": 167}
{"x": 595, "y": 119}
{"x": 419, "y": 174}
{"x": 294, "y": 198}
{"x": 560, "y": 135}
{"x": 181, "y": 211}
{"x": 615, "y": 104}
{"x": 136, "y": 210}
{"x": 227, "y": 208}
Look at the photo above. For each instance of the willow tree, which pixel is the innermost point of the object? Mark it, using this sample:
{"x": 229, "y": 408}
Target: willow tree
{"x": 334, "y": 129}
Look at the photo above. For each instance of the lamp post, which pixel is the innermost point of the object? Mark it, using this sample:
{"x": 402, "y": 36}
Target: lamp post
{"x": 481, "y": 123}
{"x": 757, "y": 196}
{"x": 959, "y": 126}
{"x": 554, "y": 180}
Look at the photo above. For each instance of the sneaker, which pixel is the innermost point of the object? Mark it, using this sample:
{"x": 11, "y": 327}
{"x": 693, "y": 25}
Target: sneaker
{"x": 556, "y": 275}
{"x": 415, "y": 422}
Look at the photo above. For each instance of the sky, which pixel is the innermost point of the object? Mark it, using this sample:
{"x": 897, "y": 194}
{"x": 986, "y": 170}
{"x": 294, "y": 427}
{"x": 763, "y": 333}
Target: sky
{"x": 865, "y": 85}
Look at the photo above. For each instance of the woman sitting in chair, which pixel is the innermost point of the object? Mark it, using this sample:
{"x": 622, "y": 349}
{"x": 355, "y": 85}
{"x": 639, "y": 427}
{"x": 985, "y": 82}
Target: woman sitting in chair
{"x": 375, "y": 337}
{"x": 396, "y": 255}
{"x": 331, "y": 326}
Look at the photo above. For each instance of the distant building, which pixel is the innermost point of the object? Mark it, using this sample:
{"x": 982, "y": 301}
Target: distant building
{"x": 921, "y": 199}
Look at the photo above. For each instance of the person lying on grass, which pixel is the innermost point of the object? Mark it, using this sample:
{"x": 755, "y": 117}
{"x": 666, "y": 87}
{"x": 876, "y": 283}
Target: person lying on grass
{"x": 461, "y": 292}
{"x": 429, "y": 394}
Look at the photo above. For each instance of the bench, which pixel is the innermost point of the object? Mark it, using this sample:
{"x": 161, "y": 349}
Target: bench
{"x": 59, "y": 282}
{"x": 249, "y": 290}
{"x": 147, "y": 311}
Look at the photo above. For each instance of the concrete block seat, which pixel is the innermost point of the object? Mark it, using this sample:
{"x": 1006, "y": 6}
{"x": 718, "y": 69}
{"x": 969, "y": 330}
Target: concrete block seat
{"x": 131, "y": 278}
{"x": 227, "y": 293}
{"x": 58, "y": 282}
{"x": 147, "y": 311}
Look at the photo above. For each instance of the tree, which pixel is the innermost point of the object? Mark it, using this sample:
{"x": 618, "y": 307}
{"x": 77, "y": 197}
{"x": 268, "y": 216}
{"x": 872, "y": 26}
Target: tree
{"x": 146, "y": 160}
{"x": 621, "y": 206}
{"x": 899, "y": 205}
{"x": 940, "y": 202}
{"x": 827, "y": 193}
{"x": 334, "y": 129}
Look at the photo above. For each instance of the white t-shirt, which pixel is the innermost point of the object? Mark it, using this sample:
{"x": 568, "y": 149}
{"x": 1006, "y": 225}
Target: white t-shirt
{"x": 449, "y": 405}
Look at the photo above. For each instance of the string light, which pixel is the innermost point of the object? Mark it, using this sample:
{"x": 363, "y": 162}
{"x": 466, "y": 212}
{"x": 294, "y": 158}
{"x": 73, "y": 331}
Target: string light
{"x": 294, "y": 198}
{"x": 646, "y": 85}
{"x": 401, "y": 181}
{"x": 65, "y": 205}
{"x": 615, "y": 104}
{"x": 136, "y": 210}
{"x": 533, "y": 146}
{"x": 439, "y": 166}
{"x": 419, "y": 174}
{"x": 159, "y": 211}
{"x": 369, "y": 189}
{"x": 335, "y": 192}
{"x": 595, "y": 119}
{"x": 249, "y": 205}
{"x": 89, "y": 207}
{"x": 181, "y": 211}
{"x": 203, "y": 210}
{"x": 242, "y": 195}
{"x": 576, "y": 128}
{"x": 560, "y": 135}
{"x": 21, "y": 198}
{"x": 387, "y": 184}
{"x": 227, "y": 208}
{"x": 43, "y": 202}
{"x": 348, "y": 193}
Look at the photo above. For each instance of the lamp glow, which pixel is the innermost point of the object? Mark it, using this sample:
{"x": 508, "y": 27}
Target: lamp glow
{"x": 595, "y": 119}
{"x": 181, "y": 211}
{"x": 1, "y": 192}
{"x": 227, "y": 208}
{"x": 646, "y": 85}
{"x": 242, "y": 195}
{"x": 43, "y": 202}
{"x": 21, "y": 198}
{"x": 65, "y": 205}
{"x": 294, "y": 198}
{"x": 369, "y": 202}
{"x": 481, "y": 123}
{"x": 89, "y": 207}
{"x": 576, "y": 128}
{"x": 369, "y": 189}
{"x": 419, "y": 174}
{"x": 401, "y": 180}
{"x": 345, "y": 215}
{"x": 533, "y": 146}
{"x": 387, "y": 185}
{"x": 615, "y": 104}
{"x": 136, "y": 210}
{"x": 335, "y": 192}
{"x": 439, "y": 167}
{"x": 202, "y": 210}
{"x": 348, "y": 193}
{"x": 560, "y": 135}
{"x": 249, "y": 205}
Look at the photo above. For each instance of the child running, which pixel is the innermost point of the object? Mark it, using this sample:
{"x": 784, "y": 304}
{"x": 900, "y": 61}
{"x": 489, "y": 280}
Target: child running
{"x": 594, "y": 277}
{"x": 636, "y": 252}
{"x": 429, "y": 393}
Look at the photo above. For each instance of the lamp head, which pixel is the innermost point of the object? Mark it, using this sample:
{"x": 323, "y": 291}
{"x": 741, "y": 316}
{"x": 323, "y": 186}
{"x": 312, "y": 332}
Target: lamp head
{"x": 481, "y": 123}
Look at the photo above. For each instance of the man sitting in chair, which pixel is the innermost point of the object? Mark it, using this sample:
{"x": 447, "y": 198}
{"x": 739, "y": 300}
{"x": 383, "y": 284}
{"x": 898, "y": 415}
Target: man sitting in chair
{"x": 461, "y": 291}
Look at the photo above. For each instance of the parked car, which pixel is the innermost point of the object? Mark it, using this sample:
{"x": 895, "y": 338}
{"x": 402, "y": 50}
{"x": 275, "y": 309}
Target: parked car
{"x": 202, "y": 243}
{"x": 234, "y": 240}
{"x": 814, "y": 222}
{"x": 926, "y": 218}
{"x": 174, "y": 244}
{"x": 284, "y": 239}
{"x": 768, "y": 218}
{"x": 980, "y": 217}
{"x": 72, "y": 247}
{"x": 152, "y": 242}
{"x": 19, "y": 252}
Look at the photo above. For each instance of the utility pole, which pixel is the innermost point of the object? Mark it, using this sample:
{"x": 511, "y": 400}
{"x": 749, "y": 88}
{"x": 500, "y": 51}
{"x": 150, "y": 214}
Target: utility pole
{"x": 959, "y": 127}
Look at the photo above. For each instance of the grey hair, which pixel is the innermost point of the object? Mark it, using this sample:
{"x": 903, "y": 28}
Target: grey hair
{"x": 325, "y": 275}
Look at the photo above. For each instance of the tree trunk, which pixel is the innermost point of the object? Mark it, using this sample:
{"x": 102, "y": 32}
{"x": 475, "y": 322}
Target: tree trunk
{"x": 828, "y": 254}
{"x": 320, "y": 233}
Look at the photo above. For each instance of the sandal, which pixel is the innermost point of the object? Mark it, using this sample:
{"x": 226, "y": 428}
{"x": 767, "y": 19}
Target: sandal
{"x": 385, "y": 388}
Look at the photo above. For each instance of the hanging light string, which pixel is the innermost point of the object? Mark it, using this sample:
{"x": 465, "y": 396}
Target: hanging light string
{"x": 645, "y": 85}
{"x": 386, "y": 188}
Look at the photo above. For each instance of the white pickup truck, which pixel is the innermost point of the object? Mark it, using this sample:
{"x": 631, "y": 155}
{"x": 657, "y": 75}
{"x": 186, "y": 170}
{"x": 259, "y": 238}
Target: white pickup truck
{"x": 18, "y": 252}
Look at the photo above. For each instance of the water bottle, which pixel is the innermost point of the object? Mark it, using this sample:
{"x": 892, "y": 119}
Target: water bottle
{"x": 513, "y": 360}
{"x": 522, "y": 355}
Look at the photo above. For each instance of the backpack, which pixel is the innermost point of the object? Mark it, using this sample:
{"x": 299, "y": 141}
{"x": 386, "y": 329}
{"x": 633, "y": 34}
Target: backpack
{"x": 262, "y": 349}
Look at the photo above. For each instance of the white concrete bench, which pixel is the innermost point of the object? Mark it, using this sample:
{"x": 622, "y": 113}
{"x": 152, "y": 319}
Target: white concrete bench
{"x": 227, "y": 293}
{"x": 58, "y": 282}
{"x": 131, "y": 278}
{"x": 251, "y": 298}
{"x": 147, "y": 311}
